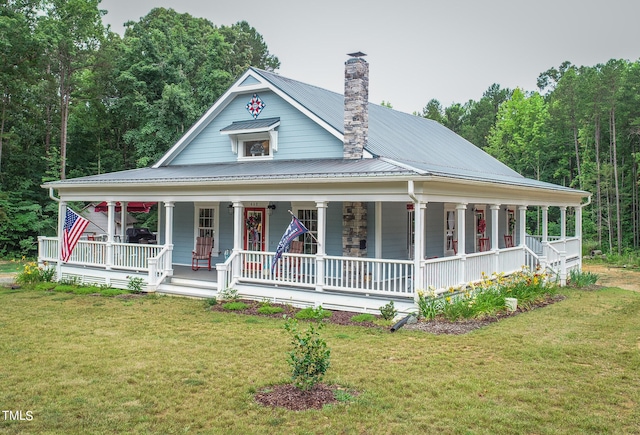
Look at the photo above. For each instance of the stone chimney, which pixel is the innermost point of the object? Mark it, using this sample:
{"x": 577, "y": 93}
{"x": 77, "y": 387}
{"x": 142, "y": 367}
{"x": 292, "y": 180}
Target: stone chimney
{"x": 356, "y": 113}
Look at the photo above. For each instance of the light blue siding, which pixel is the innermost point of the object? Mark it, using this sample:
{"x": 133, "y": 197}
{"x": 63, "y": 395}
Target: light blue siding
{"x": 249, "y": 81}
{"x": 298, "y": 136}
{"x": 183, "y": 233}
{"x": 435, "y": 232}
{"x": 394, "y": 231}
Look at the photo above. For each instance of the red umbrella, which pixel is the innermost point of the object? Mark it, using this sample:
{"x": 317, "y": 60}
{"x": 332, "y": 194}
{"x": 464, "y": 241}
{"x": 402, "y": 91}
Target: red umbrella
{"x": 133, "y": 207}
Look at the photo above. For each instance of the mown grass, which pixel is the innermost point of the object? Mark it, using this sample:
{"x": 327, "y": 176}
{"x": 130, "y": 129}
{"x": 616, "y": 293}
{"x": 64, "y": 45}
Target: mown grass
{"x": 86, "y": 364}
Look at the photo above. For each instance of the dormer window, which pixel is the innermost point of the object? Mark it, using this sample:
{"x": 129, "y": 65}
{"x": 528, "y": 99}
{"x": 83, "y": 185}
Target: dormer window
{"x": 253, "y": 140}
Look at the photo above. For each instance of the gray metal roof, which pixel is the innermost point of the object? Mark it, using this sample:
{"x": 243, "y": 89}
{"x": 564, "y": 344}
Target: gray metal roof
{"x": 398, "y": 135}
{"x": 247, "y": 170}
{"x": 251, "y": 124}
{"x": 405, "y": 145}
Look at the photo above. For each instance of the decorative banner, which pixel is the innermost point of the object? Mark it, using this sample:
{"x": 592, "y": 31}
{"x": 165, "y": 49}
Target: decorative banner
{"x": 255, "y": 106}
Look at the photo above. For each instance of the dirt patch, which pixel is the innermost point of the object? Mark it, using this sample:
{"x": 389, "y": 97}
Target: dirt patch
{"x": 614, "y": 276}
{"x": 289, "y": 397}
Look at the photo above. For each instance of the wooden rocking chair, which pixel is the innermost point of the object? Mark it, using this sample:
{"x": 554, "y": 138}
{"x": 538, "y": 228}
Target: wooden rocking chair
{"x": 204, "y": 245}
{"x": 484, "y": 244}
{"x": 508, "y": 241}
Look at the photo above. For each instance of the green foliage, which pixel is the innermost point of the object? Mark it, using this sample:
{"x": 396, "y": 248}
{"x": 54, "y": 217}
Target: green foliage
{"x": 32, "y": 274}
{"x": 266, "y": 309}
{"x": 229, "y": 294}
{"x": 579, "y": 278}
{"x": 364, "y": 317}
{"x": 136, "y": 284}
{"x": 210, "y": 302}
{"x": 311, "y": 313}
{"x": 486, "y": 299}
{"x": 235, "y": 306}
{"x": 310, "y": 357}
{"x": 388, "y": 311}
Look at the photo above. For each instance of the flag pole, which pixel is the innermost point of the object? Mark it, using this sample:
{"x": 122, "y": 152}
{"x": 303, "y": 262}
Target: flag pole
{"x": 308, "y": 232}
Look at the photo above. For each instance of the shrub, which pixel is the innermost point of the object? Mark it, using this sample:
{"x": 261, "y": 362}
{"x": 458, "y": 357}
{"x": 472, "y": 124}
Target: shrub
{"x": 388, "y": 311}
{"x": 364, "y": 317}
{"x": 235, "y": 306}
{"x": 582, "y": 279}
{"x": 135, "y": 284}
{"x": 311, "y": 313}
{"x": 229, "y": 294}
{"x": 310, "y": 357}
{"x": 210, "y": 302}
{"x": 32, "y": 274}
{"x": 268, "y": 309}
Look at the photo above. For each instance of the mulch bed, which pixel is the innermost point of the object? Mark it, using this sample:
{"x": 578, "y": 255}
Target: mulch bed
{"x": 436, "y": 326}
{"x": 289, "y": 397}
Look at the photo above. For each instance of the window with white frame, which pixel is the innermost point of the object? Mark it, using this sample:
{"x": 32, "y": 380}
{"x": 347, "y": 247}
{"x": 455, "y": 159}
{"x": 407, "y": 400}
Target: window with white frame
{"x": 450, "y": 231}
{"x": 254, "y": 147}
{"x": 309, "y": 218}
{"x": 206, "y": 223}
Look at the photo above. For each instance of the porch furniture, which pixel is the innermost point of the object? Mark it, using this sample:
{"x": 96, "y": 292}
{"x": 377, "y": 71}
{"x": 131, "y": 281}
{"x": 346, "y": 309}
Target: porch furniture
{"x": 455, "y": 247}
{"x": 508, "y": 241}
{"x": 204, "y": 245}
{"x": 484, "y": 244}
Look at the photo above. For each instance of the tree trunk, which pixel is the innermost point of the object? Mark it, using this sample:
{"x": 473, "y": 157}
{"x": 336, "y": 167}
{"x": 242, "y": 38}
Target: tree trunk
{"x": 612, "y": 122}
{"x": 598, "y": 192}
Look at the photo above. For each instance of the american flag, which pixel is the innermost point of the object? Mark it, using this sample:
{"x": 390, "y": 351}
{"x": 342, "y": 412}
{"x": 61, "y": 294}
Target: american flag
{"x": 294, "y": 230}
{"x": 74, "y": 226}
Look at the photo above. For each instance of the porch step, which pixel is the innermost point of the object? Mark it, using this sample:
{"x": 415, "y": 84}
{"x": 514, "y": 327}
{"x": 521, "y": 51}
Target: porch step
{"x": 188, "y": 287}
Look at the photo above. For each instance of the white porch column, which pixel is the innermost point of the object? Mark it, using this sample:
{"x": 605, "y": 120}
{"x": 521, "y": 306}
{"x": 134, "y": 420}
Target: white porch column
{"x": 62, "y": 213}
{"x": 563, "y": 223}
{"x": 111, "y": 213}
{"x": 462, "y": 244}
{"x": 578, "y": 234}
{"x": 123, "y": 221}
{"x": 238, "y": 210}
{"x": 321, "y": 207}
{"x": 495, "y": 240}
{"x": 545, "y": 223}
{"x": 495, "y": 209}
{"x": 168, "y": 230}
{"x": 563, "y": 251}
{"x": 419, "y": 212}
{"x": 522, "y": 227}
{"x": 545, "y": 236}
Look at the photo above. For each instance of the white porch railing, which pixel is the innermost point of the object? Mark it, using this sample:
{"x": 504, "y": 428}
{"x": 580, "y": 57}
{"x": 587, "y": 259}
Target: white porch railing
{"x": 126, "y": 256}
{"x": 159, "y": 267}
{"x": 382, "y": 277}
{"x": 441, "y": 273}
{"x": 369, "y": 275}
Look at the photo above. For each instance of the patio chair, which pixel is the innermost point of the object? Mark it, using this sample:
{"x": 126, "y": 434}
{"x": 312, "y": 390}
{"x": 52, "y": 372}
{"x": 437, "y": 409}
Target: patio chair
{"x": 202, "y": 252}
{"x": 508, "y": 241}
{"x": 484, "y": 244}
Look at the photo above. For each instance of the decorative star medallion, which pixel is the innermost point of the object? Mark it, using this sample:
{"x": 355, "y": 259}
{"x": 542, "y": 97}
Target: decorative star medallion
{"x": 255, "y": 106}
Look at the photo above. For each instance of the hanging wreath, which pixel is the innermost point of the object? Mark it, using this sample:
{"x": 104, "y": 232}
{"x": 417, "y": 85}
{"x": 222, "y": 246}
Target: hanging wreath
{"x": 482, "y": 226}
{"x": 253, "y": 223}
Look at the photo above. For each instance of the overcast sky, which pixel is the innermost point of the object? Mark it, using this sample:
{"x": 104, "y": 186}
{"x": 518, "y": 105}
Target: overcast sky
{"x": 451, "y": 50}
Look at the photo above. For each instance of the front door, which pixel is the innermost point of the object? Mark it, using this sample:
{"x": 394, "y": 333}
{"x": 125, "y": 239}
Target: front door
{"x": 254, "y": 225}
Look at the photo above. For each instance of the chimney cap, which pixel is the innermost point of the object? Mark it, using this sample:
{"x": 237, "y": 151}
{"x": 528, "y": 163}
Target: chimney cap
{"x": 356, "y": 54}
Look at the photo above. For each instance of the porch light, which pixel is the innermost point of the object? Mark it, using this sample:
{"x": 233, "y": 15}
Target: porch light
{"x": 271, "y": 207}
{"x": 230, "y": 208}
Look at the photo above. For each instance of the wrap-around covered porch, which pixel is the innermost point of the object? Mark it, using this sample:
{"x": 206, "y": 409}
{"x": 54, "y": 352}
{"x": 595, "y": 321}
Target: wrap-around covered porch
{"x": 441, "y": 245}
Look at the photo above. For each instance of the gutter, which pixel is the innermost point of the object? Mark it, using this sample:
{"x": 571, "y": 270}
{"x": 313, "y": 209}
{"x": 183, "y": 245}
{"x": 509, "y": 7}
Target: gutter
{"x": 58, "y": 199}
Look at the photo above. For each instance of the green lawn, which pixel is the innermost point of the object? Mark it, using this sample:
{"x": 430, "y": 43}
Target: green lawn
{"x": 87, "y": 364}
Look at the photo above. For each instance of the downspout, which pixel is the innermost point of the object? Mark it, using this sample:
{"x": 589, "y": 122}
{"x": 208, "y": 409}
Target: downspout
{"x": 417, "y": 249}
